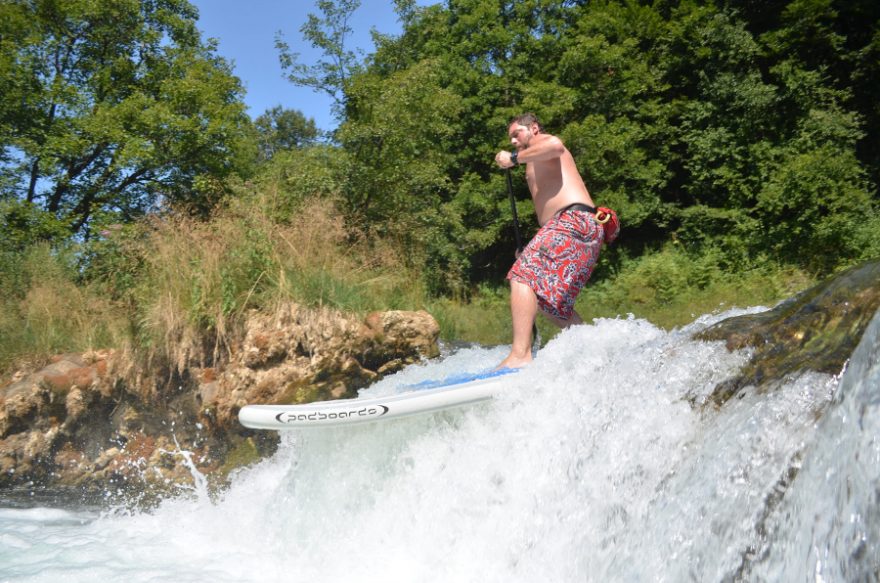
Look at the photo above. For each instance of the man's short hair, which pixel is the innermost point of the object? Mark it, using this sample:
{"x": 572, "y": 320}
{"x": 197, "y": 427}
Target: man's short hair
{"x": 527, "y": 119}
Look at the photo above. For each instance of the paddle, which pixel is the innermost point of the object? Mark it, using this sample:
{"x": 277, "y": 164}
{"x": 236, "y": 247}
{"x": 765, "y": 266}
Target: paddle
{"x": 517, "y": 236}
{"x": 536, "y": 336}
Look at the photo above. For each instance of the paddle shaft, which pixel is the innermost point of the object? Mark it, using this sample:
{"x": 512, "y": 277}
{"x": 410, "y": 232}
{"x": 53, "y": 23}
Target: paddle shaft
{"x": 517, "y": 236}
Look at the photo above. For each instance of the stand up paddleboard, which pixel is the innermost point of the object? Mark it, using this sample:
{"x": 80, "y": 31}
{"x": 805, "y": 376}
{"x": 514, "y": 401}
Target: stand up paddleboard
{"x": 424, "y": 397}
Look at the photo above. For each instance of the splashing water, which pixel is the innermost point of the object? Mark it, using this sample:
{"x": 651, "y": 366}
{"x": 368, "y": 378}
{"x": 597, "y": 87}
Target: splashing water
{"x": 599, "y": 462}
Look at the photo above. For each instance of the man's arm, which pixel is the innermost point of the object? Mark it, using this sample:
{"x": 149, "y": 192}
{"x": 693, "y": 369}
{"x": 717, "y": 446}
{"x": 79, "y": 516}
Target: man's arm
{"x": 545, "y": 148}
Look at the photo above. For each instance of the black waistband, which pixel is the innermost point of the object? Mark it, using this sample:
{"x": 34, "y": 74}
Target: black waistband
{"x": 578, "y": 207}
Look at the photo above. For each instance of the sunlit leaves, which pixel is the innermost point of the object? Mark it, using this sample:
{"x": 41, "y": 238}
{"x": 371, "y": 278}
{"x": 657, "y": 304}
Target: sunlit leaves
{"x": 679, "y": 115}
{"x": 117, "y": 106}
{"x": 283, "y": 129}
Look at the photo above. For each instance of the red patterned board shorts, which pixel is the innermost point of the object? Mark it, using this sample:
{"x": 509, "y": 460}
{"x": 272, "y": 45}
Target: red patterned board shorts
{"x": 557, "y": 263}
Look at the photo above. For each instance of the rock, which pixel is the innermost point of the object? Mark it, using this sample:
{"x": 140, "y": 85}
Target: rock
{"x": 20, "y": 405}
{"x": 298, "y": 355}
{"x": 817, "y": 330}
{"x": 107, "y": 422}
{"x": 407, "y": 332}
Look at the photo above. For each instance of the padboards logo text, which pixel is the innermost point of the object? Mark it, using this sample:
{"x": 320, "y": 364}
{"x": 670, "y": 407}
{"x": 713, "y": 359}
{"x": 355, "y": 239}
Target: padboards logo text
{"x": 318, "y": 416}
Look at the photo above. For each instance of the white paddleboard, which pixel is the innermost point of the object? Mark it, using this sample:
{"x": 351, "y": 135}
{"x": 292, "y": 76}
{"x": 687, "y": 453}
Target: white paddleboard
{"x": 424, "y": 397}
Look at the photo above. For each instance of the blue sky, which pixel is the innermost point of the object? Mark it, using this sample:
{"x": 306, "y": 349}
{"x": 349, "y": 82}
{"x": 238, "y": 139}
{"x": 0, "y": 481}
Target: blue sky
{"x": 246, "y": 35}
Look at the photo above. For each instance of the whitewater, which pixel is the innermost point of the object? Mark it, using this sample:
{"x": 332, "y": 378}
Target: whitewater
{"x": 602, "y": 461}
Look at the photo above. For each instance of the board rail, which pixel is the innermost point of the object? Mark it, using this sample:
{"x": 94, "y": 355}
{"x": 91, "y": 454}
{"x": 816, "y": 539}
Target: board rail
{"x": 421, "y": 398}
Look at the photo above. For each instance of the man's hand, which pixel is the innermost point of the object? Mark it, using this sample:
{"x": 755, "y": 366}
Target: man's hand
{"x": 502, "y": 158}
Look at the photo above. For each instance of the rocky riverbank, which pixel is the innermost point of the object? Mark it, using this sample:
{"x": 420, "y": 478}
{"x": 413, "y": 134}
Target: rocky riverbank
{"x": 105, "y": 424}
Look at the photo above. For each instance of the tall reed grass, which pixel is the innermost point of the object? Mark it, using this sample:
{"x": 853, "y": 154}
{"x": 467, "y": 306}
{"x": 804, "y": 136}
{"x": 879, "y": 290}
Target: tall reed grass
{"x": 178, "y": 289}
{"x": 200, "y": 278}
{"x": 45, "y": 310}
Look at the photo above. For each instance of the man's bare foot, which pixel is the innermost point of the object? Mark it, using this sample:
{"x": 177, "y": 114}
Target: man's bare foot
{"x": 513, "y": 361}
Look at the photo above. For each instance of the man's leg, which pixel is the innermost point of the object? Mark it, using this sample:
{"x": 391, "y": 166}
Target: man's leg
{"x": 523, "y": 309}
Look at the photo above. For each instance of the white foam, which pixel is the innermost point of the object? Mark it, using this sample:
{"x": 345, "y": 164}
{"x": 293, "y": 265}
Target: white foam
{"x": 591, "y": 466}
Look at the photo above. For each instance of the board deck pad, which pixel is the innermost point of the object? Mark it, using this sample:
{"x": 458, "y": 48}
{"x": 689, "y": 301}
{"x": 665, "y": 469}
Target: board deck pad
{"x": 460, "y": 378}
{"x": 422, "y": 397}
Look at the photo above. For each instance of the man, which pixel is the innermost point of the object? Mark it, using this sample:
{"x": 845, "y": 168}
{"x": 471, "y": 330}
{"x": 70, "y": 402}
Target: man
{"x": 556, "y": 264}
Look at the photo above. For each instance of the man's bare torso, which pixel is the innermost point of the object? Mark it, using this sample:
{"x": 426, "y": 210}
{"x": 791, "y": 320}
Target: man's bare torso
{"x": 555, "y": 183}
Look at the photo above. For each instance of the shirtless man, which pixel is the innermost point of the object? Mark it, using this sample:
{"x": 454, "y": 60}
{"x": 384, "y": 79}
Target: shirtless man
{"x": 556, "y": 264}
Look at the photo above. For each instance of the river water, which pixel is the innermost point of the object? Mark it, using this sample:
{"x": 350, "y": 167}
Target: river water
{"x": 593, "y": 465}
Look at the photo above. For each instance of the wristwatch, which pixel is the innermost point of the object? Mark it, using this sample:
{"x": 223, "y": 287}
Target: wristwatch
{"x": 513, "y": 157}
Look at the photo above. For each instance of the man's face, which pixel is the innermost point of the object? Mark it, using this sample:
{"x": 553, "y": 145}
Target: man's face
{"x": 520, "y": 135}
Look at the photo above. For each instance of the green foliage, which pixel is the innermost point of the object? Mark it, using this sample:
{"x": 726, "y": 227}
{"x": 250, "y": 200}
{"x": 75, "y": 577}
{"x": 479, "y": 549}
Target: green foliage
{"x": 328, "y": 33}
{"x": 866, "y": 237}
{"x": 292, "y": 177}
{"x": 114, "y": 260}
{"x": 730, "y": 232}
{"x": 692, "y": 121}
{"x": 836, "y": 40}
{"x": 23, "y": 223}
{"x": 281, "y": 129}
{"x": 739, "y": 143}
{"x": 399, "y": 147}
{"x": 816, "y": 196}
{"x": 110, "y": 105}
{"x": 45, "y": 309}
{"x": 672, "y": 287}
{"x": 483, "y": 318}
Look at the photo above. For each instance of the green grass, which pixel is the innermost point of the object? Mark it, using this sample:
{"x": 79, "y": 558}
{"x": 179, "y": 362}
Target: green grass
{"x": 671, "y": 288}
{"x": 49, "y": 312}
{"x": 668, "y": 288}
{"x": 180, "y": 288}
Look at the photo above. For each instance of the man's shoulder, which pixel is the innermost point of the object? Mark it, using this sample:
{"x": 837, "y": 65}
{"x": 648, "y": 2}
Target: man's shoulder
{"x": 552, "y": 140}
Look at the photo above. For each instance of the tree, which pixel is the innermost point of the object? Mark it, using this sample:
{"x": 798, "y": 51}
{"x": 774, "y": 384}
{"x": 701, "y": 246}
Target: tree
{"x": 284, "y": 129}
{"x": 728, "y": 128}
{"x": 329, "y": 32}
{"x": 114, "y": 106}
{"x": 678, "y": 114}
